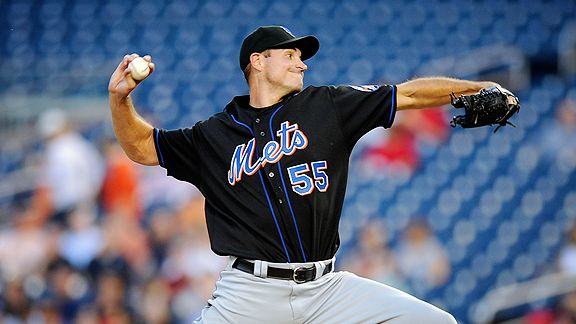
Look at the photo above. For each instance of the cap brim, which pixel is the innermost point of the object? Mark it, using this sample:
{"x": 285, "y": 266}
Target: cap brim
{"x": 308, "y": 45}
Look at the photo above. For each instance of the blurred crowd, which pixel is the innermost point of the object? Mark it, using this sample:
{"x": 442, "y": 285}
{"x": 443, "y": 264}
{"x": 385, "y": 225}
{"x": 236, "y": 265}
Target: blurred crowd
{"x": 418, "y": 262}
{"x": 398, "y": 151}
{"x": 563, "y": 309}
{"x": 104, "y": 240}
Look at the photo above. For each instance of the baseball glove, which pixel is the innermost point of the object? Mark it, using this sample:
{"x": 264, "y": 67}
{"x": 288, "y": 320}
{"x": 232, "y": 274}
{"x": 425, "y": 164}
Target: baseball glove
{"x": 490, "y": 106}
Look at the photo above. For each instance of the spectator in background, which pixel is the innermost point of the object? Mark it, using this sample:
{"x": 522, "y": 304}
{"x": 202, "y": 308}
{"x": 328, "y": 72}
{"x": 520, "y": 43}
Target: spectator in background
{"x": 66, "y": 289}
{"x": 190, "y": 265}
{"x": 112, "y": 299}
{"x": 372, "y": 258}
{"x": 87, "y": 314}
{"x": 560, "y": 309}
{"x": 125, "y": 251}
{"x": 72, "y": 168}
{"x": 567, "y": 311}
{"x": 120, "y": 189}
{"x": 82, "y": 240}
{"x": 24, "y": 247}
{"x": 430, "y": 126}
{"x": 421, "y": 257}
{"x": 162, "y": 231}
{"x": 158, "y": 191}
{"x": 16, "y": 306}
{"x": 567, "y": 256}
{"x": 558, "y": 140}
{"x": 567, "y": 264}
{"x": 154, "y": 305}
{"x": 399, "y": 151}
{"x": 395, "y": 154}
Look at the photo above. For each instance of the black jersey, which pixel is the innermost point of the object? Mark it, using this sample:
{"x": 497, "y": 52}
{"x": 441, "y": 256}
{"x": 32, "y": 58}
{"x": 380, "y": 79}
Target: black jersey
{"x": 274, "y": 178}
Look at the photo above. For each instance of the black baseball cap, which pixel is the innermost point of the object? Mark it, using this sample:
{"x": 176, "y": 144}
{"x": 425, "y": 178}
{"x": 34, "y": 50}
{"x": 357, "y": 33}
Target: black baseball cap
{"x": 275, "y": 37}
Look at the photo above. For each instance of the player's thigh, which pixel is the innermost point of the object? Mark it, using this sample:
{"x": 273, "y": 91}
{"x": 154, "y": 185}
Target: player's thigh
{"x": 243, "y": 298}
{"x": 351, "y": 299}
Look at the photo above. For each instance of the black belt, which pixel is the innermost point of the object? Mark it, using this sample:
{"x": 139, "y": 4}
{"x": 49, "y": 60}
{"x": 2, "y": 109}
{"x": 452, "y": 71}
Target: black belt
{"x": 299, "y": 275}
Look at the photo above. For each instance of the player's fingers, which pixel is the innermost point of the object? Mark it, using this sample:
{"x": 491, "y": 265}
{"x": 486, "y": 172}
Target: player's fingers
{"x": 151, "y": 65}
{"x": 126, "y": 74}
{"x": 129, "y": 58}
{"x": 512, "y": 100}
{"x": 120, "y": 75}
{"x": 123, "y": 64}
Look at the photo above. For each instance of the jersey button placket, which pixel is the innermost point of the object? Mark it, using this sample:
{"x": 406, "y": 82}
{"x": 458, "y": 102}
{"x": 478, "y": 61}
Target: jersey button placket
{"x": 275, "y": 182}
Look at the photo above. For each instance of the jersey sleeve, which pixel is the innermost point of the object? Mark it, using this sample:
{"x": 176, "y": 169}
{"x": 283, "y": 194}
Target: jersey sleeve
{"x": 177, "y": 153}
{"x": 363, "y": 108}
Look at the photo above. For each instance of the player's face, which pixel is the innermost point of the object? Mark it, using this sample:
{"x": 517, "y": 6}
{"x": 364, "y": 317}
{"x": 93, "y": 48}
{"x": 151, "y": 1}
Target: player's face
{"x": 285, "y": 70}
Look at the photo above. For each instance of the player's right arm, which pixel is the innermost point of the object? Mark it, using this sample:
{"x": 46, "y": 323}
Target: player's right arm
{"x": 135, "y": 135}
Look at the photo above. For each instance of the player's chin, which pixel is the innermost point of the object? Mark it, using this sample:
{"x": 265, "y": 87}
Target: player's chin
{"x": 298, "y": 82}
{"x": 298, "y": 86}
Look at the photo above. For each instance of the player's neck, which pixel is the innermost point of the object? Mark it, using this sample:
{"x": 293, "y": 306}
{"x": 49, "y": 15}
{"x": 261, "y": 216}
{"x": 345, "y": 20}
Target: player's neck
{"x": 264, "y": 95}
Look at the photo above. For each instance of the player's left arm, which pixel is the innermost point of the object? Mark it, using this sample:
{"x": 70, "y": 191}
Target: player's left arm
{"x": 435, "y": 91}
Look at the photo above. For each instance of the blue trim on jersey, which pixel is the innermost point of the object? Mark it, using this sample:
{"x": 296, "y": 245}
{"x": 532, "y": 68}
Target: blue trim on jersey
{"x": 286, "y": 191}
{"x": 266, "y": 192}
{"x": 242, "y": 124}
{"x": 393, "y": 108}
{"x": 157, "y": 145}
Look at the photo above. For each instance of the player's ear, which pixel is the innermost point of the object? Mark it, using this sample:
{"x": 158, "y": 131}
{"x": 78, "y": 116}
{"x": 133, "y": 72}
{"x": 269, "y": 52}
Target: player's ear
{"x": 256, "y": 61}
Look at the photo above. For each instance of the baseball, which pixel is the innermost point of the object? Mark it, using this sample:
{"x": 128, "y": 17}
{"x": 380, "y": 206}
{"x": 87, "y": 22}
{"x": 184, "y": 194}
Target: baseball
{"x": 139, "y": 68}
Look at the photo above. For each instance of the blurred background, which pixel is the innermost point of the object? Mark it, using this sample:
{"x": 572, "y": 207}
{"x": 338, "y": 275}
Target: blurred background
{"x": 478, "y": 223}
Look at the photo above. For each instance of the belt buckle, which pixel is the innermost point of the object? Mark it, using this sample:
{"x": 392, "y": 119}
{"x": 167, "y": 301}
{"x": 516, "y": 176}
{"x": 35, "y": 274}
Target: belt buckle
{"x": 299, "y": 275}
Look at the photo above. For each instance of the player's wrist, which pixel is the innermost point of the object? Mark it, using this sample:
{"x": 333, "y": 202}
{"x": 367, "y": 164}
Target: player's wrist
{"x": 489, "y": 84}
{"x": 118, "y": 100}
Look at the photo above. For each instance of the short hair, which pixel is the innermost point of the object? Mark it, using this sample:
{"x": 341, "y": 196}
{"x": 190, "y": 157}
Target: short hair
{"x": 248, "y": 69}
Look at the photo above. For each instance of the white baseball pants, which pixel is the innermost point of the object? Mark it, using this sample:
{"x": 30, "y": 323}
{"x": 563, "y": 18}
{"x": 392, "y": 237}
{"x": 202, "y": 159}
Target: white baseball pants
{"x": 337, "y": 297}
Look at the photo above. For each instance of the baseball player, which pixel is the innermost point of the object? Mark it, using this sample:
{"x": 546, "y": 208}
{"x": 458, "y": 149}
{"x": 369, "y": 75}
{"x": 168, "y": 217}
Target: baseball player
{"x": 273, "y": 167}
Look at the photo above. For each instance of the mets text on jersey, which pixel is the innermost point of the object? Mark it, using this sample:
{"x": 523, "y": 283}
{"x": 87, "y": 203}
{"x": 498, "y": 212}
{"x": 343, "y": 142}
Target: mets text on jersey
{"x": 290, "y": 139}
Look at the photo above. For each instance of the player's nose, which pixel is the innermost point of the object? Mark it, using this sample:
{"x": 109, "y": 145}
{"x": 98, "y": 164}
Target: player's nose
{"x": 301, "y": 66}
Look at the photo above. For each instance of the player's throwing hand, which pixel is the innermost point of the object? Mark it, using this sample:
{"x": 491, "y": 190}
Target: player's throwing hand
{"x": 121, "y": 82}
